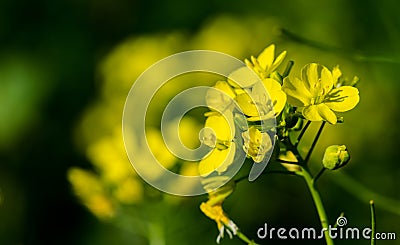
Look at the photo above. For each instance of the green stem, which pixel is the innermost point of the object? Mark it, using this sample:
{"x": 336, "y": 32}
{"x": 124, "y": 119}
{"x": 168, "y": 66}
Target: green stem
{"x": 314, "y": 143}
{"x": 318, "y": 204}
{"x": 155, "y": 234}
{"x": 373, "y": 224}
{"x": 302, "y": 133}
{"x": 245, "y": 239}
{"x": 319, "y": 174}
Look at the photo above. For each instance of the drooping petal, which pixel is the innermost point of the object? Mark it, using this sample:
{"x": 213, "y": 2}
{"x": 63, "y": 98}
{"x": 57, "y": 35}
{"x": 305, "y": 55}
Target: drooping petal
{"x": 297, "y": 93}
{"x": 319, "y": 112}
{"x": 347, "y": 98}
{"x": 266, "y": 58}
{"x": 327, "y": 114}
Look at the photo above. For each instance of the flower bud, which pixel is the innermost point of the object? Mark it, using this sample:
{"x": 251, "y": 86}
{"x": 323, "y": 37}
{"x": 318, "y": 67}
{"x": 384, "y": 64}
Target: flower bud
{"x": 336, "y": 156}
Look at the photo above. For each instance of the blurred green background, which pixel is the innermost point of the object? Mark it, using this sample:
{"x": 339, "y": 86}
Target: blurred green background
{"x": 60, "y": 58}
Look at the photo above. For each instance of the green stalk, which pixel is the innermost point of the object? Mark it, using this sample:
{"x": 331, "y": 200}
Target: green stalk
{"x": 373, "y": 224}
{"x": 245, "y": 239}
{"x": 318, "y": 203}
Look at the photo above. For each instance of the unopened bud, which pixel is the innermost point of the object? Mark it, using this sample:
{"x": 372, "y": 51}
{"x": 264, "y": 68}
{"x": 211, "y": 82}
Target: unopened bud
{"x": 336, "y": 156}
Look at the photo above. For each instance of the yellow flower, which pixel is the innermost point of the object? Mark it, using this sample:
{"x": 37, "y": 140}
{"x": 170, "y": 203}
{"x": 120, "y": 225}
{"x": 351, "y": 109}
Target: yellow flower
{"x": 256, "y": 144}
{"x": 213, "y": 209}
{"x": 218, "y": 134}
{"x": 258, "y": 105}
{"x": 220, "y": 101}
{"x": 276, "y": 94}
{"x": 266, "y": 63}
{"x": 318, "y": 93}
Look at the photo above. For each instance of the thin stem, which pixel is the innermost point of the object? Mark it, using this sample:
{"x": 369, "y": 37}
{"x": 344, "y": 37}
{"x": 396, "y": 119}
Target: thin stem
{"x": 373, "y": 224}
{"x": 314, "y": 143}
{"x": 302, "y": 133}
{"x": 318, "y": 204}
{"x": 319, "y": 174}
{"x": 284, "y": 161}
{"x": 294, "y": 150}
{"x": 288, "y": 68}
{"x": 244, "y": 238}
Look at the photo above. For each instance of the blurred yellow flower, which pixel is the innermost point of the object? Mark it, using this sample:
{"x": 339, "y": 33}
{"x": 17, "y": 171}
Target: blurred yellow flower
{"x": 318, "y": 93}
{"x": 108, "y": 155}
{"x": 129, "y": 191}
{"x": 256, "y": 143}
{"x": 91, "y": 191}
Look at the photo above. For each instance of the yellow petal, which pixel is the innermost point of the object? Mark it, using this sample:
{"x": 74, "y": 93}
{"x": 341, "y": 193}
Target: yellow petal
{"x": 224, "y": 86}
{"x": 276, "y": 94}
{"x": 223, "y": 129}
{"x": 336, "y": 74}
{"x": 277, "y": 61}
{"x": 309, "y": 75}
{"x": 220, "y": 97}
{"x": 266, "y": 58}
{"x": 348, "y": 99}
{"x": 319, "y": 112}
{"x": 243, "y": 77}
{"x": 247, "y": 105}
{"x": 326, "y": 81}
{"x": 217, "y": 160}
{"x": 327, "y": 114}
{"x": 229, "y": 155}
{"x": 206, "y": 165}
{"x": 297, "y": 93}
{"x": 279, "y": 101}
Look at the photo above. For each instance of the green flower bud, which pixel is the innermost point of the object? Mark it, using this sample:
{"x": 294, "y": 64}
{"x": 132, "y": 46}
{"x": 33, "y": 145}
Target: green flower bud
{"x": 336, "y": 156}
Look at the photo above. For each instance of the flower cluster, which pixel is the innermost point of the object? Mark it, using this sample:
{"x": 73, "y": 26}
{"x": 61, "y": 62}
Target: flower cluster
{"x": 241, "y": 104}
{"x": 258, "y": 97}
